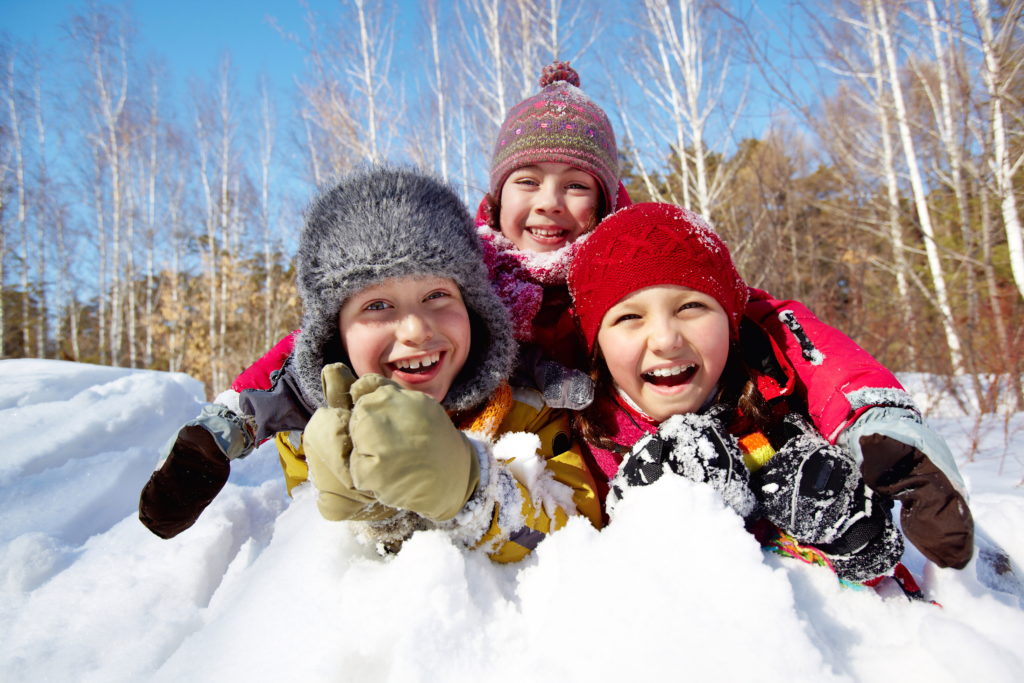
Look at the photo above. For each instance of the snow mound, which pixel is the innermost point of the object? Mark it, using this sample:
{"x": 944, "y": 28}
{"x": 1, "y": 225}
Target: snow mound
{"x": 262, "y": 588}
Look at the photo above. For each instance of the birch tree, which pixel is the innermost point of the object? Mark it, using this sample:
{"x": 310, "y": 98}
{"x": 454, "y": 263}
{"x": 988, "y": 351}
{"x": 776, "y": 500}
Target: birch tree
{"x": 349, "y": 107}
{"x": 938, "y": 280}
{"x": 5, "y": 169}
{"x": 683, "y": 47}
{"x": 438, "y": 84}
{"x": 103, "y": 37}
{"x": 45, "y": 216}
{"x": 266, "y": 153}
{"x": 204, "y": 146}
{"x": 1002, "y": 58}
{"x": 21, "y": 195}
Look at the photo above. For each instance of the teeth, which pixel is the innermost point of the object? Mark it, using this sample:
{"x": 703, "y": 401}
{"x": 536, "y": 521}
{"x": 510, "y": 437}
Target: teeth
{"x": 669, "y": 372}
{"x": 417, "y": 363}
{"x": 541, "y": 232}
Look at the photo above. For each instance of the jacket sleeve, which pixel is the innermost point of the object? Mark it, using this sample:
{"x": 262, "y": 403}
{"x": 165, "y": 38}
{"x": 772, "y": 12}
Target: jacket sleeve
{"x": 257, "y": 375}
{"x": 837, "y": 378}
{"x": 536, "y": 479}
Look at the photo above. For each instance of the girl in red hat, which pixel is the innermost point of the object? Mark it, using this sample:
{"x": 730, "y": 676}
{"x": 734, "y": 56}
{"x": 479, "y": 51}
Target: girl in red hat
{"x": 687, "y": 383}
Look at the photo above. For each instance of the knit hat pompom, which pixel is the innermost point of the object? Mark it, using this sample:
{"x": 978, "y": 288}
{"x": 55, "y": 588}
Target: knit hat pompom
{"x": 559, "y": 71}
{"x": 646, "y": 245}
{"x": 389, "y": 222}
{"x": 558, "y": 125}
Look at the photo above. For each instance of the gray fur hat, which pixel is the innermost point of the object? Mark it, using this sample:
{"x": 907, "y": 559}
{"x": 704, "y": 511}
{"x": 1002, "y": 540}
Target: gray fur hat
{"x": 385, "y": 222}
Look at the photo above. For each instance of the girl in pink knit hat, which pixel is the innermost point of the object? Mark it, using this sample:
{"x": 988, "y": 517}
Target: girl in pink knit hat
{"x": 661, "y": 308}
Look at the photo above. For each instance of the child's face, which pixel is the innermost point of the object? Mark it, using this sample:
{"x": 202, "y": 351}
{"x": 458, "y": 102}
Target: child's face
{"x": 413, "y": 330}
{"x": 546, "y": 206}
{"x": 666, "y": 347}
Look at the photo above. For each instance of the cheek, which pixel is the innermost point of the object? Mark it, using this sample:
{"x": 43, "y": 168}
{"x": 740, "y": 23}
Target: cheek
{"x": 461, "y": 336}
{"x": 619, "y": 356}
{"x": 508, "y": 210}
{"x": 363, "y": 347}
{"x": 715, "y": 343}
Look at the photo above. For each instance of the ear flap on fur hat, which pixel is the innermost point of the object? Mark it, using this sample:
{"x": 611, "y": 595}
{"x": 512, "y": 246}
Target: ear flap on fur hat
{"x": 387, "y": 222}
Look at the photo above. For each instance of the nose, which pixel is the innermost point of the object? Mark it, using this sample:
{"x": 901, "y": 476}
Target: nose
{"x": 662, "y": 335}
{"x": 414, "y": 329}
{"x": 549, "y": 198}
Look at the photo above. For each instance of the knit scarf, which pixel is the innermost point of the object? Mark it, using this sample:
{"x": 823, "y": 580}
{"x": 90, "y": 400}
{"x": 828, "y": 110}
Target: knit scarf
{"x": 487, "y": 421}
{"x": 518, "y": 277}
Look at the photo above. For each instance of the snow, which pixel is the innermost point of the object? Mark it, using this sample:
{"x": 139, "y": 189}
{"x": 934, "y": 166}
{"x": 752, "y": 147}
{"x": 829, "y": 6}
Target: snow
{"x": 262, "y": 588}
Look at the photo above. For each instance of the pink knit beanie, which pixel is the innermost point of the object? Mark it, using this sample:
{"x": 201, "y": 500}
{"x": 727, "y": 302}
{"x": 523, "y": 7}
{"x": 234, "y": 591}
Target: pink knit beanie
{"x": 560, "y": 124}
{"x": 652, "y": 244}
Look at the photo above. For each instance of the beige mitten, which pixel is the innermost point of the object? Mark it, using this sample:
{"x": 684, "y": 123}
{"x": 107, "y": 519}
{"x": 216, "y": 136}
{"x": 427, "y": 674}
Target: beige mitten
{"x": 406, "y": 450}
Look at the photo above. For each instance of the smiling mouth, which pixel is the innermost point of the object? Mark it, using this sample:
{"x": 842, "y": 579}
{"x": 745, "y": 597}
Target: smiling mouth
{"x": 547, "y": 233}
{"x": 417, "y": 366}
{"x": 670, "y": 377}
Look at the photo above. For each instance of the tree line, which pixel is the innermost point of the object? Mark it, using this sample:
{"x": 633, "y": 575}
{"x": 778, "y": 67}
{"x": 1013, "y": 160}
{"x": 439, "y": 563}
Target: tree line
{"x": 881, "y": 186}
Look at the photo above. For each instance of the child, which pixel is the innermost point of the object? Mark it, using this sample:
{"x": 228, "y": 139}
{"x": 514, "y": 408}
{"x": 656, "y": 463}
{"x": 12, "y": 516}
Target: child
{"x": 393, "y": 287}
{"x": 662, "y": 311}
{"x": 553, "y": 176}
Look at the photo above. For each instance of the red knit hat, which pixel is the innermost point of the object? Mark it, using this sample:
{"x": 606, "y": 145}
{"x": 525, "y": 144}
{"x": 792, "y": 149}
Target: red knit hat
{"x": 652, "y": 244}
{"x": 560, "y": 124}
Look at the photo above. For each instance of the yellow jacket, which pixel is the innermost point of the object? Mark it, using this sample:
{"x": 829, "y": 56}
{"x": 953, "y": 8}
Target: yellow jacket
{"x": 532, "y": 475}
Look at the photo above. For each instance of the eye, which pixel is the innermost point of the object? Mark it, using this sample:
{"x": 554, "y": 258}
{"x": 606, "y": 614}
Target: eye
{"x": 625, "y": 317}
{"x": 692, "y": 305}
{"x": 576, "y": 185}
{"x": 526, "y": 181}
{"x": 438, "y": 294}
{"x": 376, "y": 306}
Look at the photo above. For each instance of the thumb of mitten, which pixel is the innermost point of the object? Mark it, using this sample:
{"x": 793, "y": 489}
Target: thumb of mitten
{"x": 336, "y": 380}
{"x": 326, "y": 439}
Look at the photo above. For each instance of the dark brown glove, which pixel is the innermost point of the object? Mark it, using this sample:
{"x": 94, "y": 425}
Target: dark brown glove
{"x": 935, "y": 517}
{"x": 191, "y": 477}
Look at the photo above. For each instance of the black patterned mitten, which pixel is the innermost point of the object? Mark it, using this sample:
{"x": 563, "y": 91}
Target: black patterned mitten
{"x": 814, "y": 492}
{"x": 807, "y": 489}
{"x": 693, "y": 446}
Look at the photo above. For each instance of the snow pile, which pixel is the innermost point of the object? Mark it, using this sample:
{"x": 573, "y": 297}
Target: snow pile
{"x": 261, "y": 588}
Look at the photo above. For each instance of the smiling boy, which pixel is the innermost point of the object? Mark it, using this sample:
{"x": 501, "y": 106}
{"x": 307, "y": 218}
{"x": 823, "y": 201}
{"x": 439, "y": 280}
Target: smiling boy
{"x": 431, "y": 434}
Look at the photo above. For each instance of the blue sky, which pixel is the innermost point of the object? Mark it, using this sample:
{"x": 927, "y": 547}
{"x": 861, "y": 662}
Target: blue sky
{"x": 190, "y": 36}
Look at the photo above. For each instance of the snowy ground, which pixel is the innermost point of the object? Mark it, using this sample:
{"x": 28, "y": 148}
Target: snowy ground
{"x": 262, "y": 589}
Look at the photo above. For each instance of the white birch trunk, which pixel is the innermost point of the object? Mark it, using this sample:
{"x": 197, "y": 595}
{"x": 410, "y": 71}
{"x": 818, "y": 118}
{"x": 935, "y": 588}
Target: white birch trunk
{"x": 1002, "y": 167}
{"x": 21, "y": 217}
{"x": 131, "y": 310}
{"x": 439, "y": 87}
{"x": 101, "y": 246}
{"x": 151, "y": 174}
{"x": 42, "y": 223}
{"x": 894, "y": 229}
{"x": 266, "y": 142}
{"x": 920, "y": 198}
{"x": 368, "y": 69}
{"x": 210, "y": 223}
